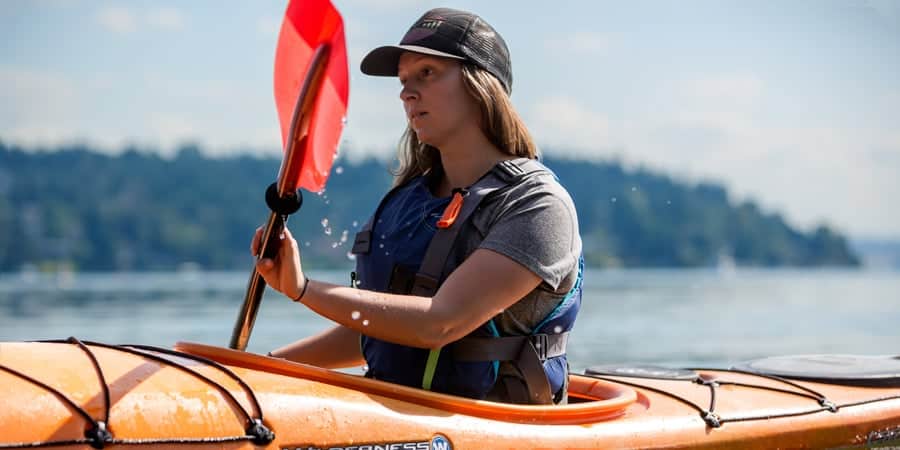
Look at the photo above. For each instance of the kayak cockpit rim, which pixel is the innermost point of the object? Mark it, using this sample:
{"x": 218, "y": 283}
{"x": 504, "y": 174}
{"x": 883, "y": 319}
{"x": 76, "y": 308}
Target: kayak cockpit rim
{"x": 591, "y": 400}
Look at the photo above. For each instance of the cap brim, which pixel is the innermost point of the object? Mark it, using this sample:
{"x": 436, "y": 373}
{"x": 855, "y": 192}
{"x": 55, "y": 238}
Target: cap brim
{"x": 383, "y": 61}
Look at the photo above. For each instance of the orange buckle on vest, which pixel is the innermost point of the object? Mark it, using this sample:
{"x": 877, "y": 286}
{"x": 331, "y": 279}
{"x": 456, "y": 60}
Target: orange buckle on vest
{"x": 452, "y": 210}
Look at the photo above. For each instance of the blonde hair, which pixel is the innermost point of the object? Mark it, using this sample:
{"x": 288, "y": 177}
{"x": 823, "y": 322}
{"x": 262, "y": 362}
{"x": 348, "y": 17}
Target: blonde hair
{"x": 500, "y": 123}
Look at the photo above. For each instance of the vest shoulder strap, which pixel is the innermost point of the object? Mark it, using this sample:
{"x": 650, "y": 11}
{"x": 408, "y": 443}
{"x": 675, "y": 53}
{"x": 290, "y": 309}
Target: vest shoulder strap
{"x": 505, "y": 173}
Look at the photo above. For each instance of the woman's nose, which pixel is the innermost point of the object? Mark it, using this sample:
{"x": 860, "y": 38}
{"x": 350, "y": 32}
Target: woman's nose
{"x": 407, "y": 94}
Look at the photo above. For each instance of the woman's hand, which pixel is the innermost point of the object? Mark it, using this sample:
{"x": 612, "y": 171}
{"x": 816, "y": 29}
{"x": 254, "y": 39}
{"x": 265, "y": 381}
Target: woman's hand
{"x": 284, "y": 273}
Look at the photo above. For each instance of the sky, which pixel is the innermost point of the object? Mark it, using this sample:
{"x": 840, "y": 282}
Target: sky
{"x": 793, "y": 104}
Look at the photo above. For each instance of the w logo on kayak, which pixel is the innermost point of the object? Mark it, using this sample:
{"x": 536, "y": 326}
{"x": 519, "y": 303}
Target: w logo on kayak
{"x": 440, "y": 443}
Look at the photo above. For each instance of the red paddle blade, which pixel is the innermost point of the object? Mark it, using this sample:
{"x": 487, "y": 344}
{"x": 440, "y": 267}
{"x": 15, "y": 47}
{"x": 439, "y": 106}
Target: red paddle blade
{"x": 308, "y": 24}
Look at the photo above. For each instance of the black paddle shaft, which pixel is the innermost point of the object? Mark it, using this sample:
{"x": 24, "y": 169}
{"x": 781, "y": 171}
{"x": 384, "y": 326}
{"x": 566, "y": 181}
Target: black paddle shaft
{"x": 278, "y": 196}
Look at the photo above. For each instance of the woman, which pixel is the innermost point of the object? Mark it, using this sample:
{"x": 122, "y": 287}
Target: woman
{"x": 470, "y": 268}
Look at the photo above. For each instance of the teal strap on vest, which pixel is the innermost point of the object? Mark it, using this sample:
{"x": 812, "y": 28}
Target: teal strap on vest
{"x": 568, "y": 298}
{"x": 430, "y": 366}
{"x": 496, "y": 333}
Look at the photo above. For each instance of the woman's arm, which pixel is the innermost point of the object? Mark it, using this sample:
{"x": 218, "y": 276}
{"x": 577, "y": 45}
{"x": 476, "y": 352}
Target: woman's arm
{"x": 482, "y": 286}
{"x": 335, "y": 348}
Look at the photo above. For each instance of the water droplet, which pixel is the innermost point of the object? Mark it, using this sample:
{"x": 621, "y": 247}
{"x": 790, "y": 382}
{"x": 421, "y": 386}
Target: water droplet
{"x": 358, "y": 282}
{"x": 380, "y": 245}
{"x": 613, "y": 199}
{"x": 344, "y": 235}
{"x": 355, "y": 315}
{"x": 281, "y": 236}
{"x": 365, "y": 368}
{"x": 324, "y": 222}
{"x": 557, "y": 329}
{"x": 334, "y": 245}
{"x": 355, "y": 224}
{"x": 327, "y": 202}
{"x": 537, "y": 345}
{"x": 328, "y": 231}
{"x": 379, "y": 220}
{"x": 338, "y": 170}
{"x": 409, "y": 235}
{"x": 382, "y": 236}
{"x": 366, "y": 322}
{"x": 351, "y": 257}
{"x": 668, "y": 202}
{"x": 387, "y": 253}
{"x": 633, "y": 188}
{"x": 306, "y": 244}
{"x": 344, "y": 120}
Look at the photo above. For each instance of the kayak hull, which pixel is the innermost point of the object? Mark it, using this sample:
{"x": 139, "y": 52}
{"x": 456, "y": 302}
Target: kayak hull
{"x": 176, "y": 401}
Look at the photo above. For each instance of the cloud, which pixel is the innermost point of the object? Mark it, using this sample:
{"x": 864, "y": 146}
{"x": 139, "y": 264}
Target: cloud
{"x": 887, "y": 9}
{"x": 820, "y": 173}
{"x": 166, "y": 18}
{"x": 563, "y": 122}
{"x": 719, "y": 128}
{"x": 268, "y": 26}
{"x": 740, "y": 90}
{"x": 378, "y": 4}
{"x": 375, "y": 118}
{"x": 117, "y": 19}
{"x": 32, "y": 96}
{"x": 582, "y": 42}
{"x": 124, "y": 21}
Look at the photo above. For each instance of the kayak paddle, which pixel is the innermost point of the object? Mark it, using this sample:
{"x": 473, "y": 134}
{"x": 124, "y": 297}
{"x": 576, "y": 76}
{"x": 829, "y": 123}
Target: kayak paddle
{"x": 311, "y": 91}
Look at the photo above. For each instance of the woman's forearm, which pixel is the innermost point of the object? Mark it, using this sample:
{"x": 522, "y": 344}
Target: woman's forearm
{"x": 334, "y": 348}
{"x": 484, "y": 285}
{"x": 402, "y": 319}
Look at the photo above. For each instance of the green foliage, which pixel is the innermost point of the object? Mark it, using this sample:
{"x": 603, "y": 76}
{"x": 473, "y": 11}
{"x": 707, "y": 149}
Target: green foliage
{"x": 138, "y": 211}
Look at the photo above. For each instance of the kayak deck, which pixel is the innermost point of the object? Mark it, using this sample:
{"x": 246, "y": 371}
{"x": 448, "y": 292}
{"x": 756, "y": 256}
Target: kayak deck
{"x": 210, "y": 397}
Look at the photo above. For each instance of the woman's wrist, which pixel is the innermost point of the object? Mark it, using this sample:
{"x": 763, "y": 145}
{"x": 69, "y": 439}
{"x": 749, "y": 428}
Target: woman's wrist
{"x": 303, "y": 289}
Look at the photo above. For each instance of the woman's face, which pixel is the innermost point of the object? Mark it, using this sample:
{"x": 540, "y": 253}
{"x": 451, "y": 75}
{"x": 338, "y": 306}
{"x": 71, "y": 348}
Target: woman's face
{"x": 434, "y": 97}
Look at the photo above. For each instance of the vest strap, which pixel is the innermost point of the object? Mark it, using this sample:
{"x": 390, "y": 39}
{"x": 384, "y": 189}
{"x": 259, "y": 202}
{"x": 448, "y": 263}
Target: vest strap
{"x": 363, "y": 242}
{"x": 508, "y": 348}
{"x": 430, "y": 367}
{"x": 528, "y": 354}
{"x": 503, "y": 174}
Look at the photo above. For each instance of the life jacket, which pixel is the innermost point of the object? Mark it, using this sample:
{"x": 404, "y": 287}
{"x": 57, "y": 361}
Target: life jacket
{"x": 399, "y": 253}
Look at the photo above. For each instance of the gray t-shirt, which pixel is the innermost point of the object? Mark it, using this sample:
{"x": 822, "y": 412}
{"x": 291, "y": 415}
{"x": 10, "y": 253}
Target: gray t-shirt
{"x": 535, "y": 224}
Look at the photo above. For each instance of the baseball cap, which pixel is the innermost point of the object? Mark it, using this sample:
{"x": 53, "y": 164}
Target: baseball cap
{"x": 450, "y": 33}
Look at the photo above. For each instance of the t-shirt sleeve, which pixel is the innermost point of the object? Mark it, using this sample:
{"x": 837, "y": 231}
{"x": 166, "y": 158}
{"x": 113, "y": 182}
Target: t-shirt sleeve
{"x": 540, "y": 231}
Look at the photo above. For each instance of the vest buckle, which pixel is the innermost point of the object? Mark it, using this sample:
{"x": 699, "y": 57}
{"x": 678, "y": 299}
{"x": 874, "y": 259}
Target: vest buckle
{"x": 541, "y": 343}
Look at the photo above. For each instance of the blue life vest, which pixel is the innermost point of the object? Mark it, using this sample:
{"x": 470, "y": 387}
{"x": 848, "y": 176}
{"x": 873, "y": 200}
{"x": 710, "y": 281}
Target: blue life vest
{"x": 390, "y": 251}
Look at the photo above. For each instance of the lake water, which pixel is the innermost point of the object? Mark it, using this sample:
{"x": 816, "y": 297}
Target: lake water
{"x": 670, "y": 317}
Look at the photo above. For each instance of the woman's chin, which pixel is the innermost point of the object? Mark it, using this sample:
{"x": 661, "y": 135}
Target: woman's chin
{"x": 424, "y": 138}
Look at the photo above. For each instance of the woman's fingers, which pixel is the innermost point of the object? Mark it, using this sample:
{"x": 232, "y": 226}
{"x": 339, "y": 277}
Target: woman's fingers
{"x": 254, "y": 244}
{"x": 282, "y": 271}
{"x": 266, "y": 268}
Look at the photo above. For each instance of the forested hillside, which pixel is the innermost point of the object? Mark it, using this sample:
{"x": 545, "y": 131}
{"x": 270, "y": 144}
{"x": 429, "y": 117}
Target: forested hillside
{"x": 84, "y": 210}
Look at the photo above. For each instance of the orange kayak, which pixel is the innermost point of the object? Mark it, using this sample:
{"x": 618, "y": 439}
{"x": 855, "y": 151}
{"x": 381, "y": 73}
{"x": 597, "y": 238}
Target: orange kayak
{"x": 83, "y": 395}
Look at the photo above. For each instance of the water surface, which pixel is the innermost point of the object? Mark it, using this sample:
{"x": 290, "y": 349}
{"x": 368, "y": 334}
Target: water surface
{"x": 671, "y": 317}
